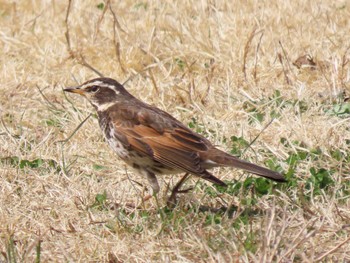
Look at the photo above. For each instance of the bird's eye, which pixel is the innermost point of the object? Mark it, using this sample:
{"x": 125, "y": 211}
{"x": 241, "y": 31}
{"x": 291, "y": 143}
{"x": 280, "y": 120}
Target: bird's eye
{"x": 94, "y": 89}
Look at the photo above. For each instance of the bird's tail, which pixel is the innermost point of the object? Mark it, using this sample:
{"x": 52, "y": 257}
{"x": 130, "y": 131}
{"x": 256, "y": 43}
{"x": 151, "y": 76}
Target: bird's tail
{"x": 224, "y": 159}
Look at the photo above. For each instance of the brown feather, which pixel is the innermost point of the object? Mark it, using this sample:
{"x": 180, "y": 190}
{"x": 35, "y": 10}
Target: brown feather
{"x": 174, "y": 145}
{"x": 225, "y": 159}
{"x": 152, "y": 134}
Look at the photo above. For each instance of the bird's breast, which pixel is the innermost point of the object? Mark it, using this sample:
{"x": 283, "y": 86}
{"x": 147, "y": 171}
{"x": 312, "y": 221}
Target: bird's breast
{"x": 136, "y": 159}
{"x": 117, "y": 146}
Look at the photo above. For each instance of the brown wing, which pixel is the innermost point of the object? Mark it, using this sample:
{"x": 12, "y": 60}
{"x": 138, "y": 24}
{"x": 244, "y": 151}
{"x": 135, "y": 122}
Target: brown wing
{"x": 164, "y": 139}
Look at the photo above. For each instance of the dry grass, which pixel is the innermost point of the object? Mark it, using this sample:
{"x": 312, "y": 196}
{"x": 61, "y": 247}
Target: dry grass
{"x": 211, "y": 62}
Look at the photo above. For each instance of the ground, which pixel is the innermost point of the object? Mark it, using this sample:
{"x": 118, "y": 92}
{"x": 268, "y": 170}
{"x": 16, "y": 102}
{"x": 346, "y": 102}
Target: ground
{"x": 268, "y": 81}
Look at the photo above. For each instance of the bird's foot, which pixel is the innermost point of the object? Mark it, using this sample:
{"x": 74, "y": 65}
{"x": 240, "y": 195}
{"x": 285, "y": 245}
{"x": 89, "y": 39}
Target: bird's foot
{"x": 171, "y": 202}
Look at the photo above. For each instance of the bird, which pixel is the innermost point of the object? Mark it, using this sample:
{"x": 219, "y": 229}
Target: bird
{"x": 153, "y": 142}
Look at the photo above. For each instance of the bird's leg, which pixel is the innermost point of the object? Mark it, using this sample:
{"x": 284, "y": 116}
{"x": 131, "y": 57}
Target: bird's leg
{"x": 152, "y": 179}
{"x": 176, "y": 190}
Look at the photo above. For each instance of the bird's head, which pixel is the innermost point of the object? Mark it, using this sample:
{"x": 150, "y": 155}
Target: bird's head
{"x": 101, "y": 92}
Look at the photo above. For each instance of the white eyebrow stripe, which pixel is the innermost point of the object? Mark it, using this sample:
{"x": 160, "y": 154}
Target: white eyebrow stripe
{"x": 101, "y": 84}
{"x": 110, "y": 86}
{"x": 95, "y": 83}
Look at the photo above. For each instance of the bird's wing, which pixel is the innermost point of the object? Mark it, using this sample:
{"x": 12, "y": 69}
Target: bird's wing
{"x": 163, "y": 139}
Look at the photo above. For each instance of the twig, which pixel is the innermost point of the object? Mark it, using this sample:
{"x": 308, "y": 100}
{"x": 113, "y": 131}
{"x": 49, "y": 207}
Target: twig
{"x": 256, "y": 58}
{"x": 253, "y": 141}
{"x": 332, "y": 250}
{"x": 67, "y": 27}
{"x": 153, "y": 81}
{"x": 116, "y": 25}
{"x": 7, "y": 132}
{"x": 80, "y": 59}
{"x": 98, "y": 24}
{"x": 246, "y": 50}
{"x": 76, "y": 129}
{"x": 63, "y": 142}
{"x": 304, "y": 239}
{"x": 83, "y": 62}
{"x": 285, "y": 71}
{"x": 343, "y": 70}
{"x": 285, "y": 55}
{"x": 208, "y": 78}
{"x": 46, "y": 99}
{"x": 116, "y": 22}
{"x": 93, "y": 221}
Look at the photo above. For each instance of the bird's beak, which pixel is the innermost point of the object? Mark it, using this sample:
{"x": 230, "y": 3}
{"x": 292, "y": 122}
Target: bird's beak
{"x": 75, "y": 90}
